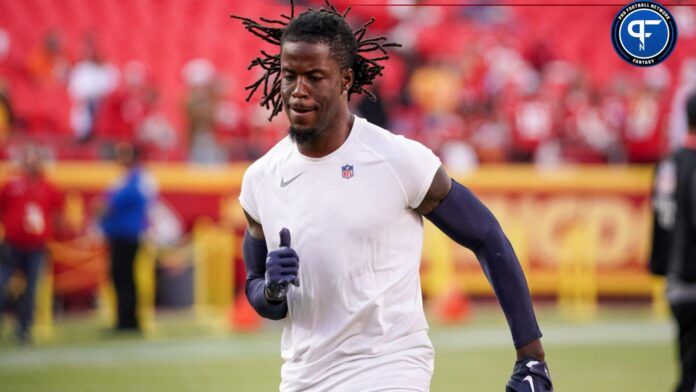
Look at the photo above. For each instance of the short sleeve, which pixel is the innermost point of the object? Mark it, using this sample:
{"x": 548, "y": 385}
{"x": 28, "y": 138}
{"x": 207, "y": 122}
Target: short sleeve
{"x": 247, "y": 195}
{"x": 415, "y": 166}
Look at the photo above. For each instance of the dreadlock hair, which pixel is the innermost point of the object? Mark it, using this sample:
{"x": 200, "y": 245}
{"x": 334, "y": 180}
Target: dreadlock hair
{"x": 324, "y": 25}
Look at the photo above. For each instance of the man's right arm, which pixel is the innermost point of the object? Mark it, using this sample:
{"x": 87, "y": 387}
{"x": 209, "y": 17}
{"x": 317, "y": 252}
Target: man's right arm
{"x": 255, "y": 253}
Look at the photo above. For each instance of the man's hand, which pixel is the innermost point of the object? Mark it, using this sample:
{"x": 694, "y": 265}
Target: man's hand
{"x": 530, "y": 375}
{"x": 282, "y": 267}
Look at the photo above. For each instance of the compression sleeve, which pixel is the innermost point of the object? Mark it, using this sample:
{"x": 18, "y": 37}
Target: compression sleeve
{"x": 255, "y": 252}
{"x": 467, "y": 221}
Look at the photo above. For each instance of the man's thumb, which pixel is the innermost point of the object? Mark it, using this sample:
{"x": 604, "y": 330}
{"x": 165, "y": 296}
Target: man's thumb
{"x": 285, "y": 237}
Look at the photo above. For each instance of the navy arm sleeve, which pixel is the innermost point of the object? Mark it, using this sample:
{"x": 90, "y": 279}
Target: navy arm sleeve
{"x": 255, "y": 252}
{"x": 467, "y": 221}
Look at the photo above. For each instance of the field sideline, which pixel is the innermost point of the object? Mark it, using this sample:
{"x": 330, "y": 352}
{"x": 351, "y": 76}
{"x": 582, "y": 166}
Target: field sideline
{"x": 624, "y": 350}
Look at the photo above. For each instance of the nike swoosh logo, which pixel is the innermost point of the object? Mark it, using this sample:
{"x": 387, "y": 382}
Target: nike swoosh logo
{"x": 284, "y": 183}
{"x": 529, "y": 380}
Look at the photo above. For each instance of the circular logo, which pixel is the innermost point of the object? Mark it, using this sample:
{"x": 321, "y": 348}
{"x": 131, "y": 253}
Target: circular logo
{"x": 644, "y": 33}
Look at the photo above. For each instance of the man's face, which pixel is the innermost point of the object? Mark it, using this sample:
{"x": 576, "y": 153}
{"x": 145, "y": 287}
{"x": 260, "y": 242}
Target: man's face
{"x": 312, "y": 88}
{"x": 124, "y": 154}
{"x": 31, "y": 161}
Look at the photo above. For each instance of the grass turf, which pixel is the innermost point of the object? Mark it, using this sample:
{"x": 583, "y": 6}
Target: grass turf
{"x": 620, "y": 350}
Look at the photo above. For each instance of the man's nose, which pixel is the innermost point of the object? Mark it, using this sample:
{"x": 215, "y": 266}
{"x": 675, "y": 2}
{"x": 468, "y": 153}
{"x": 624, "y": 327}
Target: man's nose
{"x": 300, "y": 90}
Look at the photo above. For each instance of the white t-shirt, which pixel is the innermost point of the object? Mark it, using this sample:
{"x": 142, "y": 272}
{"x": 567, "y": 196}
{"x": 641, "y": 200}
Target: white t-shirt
{"x": 356, "y": 321}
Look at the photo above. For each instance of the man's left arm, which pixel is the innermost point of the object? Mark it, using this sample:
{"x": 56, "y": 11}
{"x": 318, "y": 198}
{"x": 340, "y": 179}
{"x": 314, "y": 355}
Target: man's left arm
{"x": 458, "y": 213}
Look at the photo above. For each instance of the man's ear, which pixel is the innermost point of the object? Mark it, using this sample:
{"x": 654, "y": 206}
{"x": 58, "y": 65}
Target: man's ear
{"x": 347, "y": 80}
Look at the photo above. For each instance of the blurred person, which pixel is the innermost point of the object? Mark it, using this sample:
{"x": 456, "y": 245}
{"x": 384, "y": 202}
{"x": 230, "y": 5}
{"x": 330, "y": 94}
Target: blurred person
{"x": 43, "y": 99}
{"x": 491, "y": 137}
{"x": 7, "y": 116}
{"x": 589, "y": 135}
{"x": 449, "y": 135}
{"x": 232, "y": 130}
{"x": 30, "y": 207}
{"x": 435, "y": 88}
{"x": 506, "y": 67}
{"x": 47, "y": 61}
{"x": 539, "y": 52}
{"x": 532, "y": 126}
{"x": 4, "y": 44}
{"x": 642, "y": 136}
{"x": 8, "y": 67}
{"x": 613, "y": 112}
{"x": 354, "y": 196}
{"x": 674, "y": 247}
{"x": 677, "y": 125}
{"x": 493, "y": 17}
{"x": 133, "y": 112}
{"x": 156, "y": 131}
{"x": 11, "y": 71}
{"x": 125, "y": 108}
{"x": 123, "y": 222}
{"x": 89, "y": 82}
{"x": 202, "y": 100}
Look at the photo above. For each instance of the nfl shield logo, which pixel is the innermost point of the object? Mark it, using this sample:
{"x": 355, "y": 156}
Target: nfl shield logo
{"x": 347, "y": 171}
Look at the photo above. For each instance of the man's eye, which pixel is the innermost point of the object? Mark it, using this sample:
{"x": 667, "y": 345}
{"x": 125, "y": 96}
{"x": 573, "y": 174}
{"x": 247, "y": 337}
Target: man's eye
{"x": 316, "y": 78}
{"x": 288, "y": 77}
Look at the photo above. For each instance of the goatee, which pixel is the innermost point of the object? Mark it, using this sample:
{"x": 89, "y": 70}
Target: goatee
{"x": 304, "y": 136}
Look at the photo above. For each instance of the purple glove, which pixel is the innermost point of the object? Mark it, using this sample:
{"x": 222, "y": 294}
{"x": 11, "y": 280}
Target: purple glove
{"x": 530, "y": 375}
{"x": 282, "y": 267}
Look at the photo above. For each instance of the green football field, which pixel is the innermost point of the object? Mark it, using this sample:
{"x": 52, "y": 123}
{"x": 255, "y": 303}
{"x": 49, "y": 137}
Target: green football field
{"x": 622, "y": 349}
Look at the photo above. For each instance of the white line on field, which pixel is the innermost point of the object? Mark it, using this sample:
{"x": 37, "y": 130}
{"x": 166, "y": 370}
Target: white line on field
{"x": 619, "y": 333}
{"x": 134, "y": 352}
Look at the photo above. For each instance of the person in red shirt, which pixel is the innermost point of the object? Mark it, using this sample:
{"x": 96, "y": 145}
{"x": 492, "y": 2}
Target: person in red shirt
{"x": 29, "y": 204}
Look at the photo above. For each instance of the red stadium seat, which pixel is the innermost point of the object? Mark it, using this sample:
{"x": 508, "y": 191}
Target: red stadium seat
{"x": 165, "y": 34}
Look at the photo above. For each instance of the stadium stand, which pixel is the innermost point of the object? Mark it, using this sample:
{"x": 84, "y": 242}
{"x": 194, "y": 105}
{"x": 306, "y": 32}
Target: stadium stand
{"x": 503, "y": 57}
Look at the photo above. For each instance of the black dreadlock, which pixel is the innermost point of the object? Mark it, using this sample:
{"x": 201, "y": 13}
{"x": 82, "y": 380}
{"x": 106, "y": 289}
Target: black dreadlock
{"x": 325, "y": 25}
